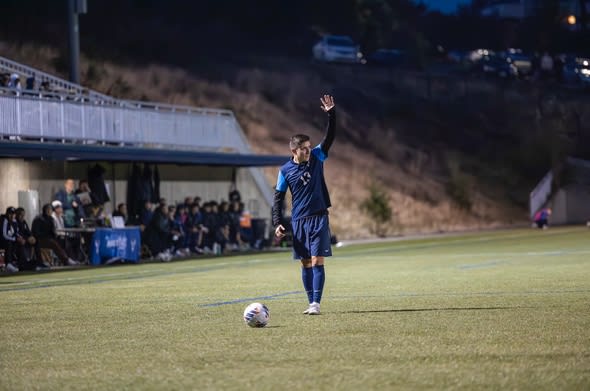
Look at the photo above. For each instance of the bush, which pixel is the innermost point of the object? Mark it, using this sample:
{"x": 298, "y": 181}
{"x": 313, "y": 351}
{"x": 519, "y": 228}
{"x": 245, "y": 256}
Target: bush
{"x": 376, "y": 206}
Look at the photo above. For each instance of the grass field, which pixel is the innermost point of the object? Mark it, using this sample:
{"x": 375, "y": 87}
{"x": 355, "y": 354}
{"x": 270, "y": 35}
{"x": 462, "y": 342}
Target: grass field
{"x": 497, "y": 310}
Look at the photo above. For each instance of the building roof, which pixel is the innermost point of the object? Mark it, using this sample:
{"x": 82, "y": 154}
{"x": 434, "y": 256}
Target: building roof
{"x": 111, "y": 153}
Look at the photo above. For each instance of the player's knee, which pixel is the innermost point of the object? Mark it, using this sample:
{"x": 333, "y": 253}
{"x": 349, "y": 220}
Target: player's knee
{"x": 306, "y": 262}
{"x": 315, "y": 261}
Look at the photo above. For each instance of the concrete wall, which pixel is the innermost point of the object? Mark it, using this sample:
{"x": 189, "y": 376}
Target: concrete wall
{"x": 571, "y": 205}
{"x": 176, "y": 182}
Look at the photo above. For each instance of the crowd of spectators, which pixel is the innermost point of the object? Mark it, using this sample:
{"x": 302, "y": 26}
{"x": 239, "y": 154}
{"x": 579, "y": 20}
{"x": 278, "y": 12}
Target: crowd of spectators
{"x": 195, "y": 227}
{"x": 189, "y": 228}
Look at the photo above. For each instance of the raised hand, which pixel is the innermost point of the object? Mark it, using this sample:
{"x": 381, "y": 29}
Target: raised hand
{"x": 327, "y": 102}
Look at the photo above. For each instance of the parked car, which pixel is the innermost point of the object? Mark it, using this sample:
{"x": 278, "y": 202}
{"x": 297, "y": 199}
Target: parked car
{"x": 386, "y": 57}
{"x": 337, "y": 48}
{"x": 498, "y": 66}
{"x": 576, "y": 70}
{"x": 511, "y": 63}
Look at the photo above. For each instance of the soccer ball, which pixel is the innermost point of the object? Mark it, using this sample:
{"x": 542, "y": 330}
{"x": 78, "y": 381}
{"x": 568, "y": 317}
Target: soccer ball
{"x": 256, "y": 315}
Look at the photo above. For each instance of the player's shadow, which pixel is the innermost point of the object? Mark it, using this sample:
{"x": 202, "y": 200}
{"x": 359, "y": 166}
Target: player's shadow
{"x": 429, "y": 309}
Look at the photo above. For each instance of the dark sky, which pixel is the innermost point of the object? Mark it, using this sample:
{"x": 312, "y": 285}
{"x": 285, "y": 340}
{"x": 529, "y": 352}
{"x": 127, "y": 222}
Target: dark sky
{"x": 446, "y": 6}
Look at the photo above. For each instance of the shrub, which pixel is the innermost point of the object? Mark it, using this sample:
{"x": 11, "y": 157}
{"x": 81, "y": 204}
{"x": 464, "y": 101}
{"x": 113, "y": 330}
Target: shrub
{"x": 376, "y": 206}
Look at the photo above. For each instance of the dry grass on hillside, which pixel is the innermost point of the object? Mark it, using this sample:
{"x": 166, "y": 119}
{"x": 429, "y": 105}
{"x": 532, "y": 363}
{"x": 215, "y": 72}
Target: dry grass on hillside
{"x": 271, "y": 106}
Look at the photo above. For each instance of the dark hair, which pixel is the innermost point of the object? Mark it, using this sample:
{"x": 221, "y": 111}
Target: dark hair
{"x": 297, "y": 140}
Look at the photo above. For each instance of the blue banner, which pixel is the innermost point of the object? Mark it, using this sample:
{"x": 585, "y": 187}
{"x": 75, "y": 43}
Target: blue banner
{"x": 110, "y": 244}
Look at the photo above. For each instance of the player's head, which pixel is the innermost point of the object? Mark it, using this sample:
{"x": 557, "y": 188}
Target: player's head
{"x": 300, "y": 145}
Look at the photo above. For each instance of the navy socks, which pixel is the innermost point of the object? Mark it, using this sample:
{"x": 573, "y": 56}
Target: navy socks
{"x": 307, "y": 277}
{"x": 318, "y": 282}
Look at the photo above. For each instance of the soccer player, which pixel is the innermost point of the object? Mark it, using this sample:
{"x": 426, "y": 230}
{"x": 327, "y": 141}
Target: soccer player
{"x": 303, "y": 175}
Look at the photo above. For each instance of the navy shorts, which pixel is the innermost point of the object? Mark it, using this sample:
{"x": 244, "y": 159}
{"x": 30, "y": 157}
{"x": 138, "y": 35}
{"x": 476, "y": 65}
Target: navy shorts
{"x": 311, "y": 237}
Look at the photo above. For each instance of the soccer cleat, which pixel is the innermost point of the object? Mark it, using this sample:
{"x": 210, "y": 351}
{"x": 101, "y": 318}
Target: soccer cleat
{"x": 307, "y": 310}
{"x": 314, "y": 309}
{"x": 11, "y": 268}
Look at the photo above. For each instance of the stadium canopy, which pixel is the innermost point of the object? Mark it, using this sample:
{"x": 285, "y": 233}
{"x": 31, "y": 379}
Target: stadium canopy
{"x": 109, "y": 153}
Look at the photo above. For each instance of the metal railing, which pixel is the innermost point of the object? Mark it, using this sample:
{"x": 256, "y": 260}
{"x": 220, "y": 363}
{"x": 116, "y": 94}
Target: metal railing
{"x": 56, "y": 83}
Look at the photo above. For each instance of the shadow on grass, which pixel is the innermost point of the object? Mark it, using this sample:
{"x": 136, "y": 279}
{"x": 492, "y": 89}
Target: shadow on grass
{"x": 431, "y": 309}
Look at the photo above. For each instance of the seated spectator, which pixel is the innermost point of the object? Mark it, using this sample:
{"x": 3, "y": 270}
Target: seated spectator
{"x": 27, "y": 246}
{"x": 122, "y": 212}
{"x": 68, "y": 241}
{"x": 194, "y": 229}
{"x": 72, "y": 207}
{"x": 43, "y": 230}
{"x": 8, "y": 239}
{"x": 541, "y": 219}
{"x": 176, "y": 233}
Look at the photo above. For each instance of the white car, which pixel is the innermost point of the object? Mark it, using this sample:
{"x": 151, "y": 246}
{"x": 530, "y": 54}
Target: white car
{"x": 337, "y": 48}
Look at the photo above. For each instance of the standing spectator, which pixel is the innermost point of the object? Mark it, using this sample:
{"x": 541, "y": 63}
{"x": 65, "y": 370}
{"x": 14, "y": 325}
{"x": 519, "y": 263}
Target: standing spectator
{"x": 234, "y": 194}
{"x": 147, "y": 214}
{"x": 43, "y": 230}
{"x": 246, "y": 231}
{"x": 85, "y": 196}
{"x": 157, "y": 234}
{"x": 8, "y": 239}
{"x": 14, "y": 82}
{"x": 30, "y": 82}
{"x": 72, "y": 207}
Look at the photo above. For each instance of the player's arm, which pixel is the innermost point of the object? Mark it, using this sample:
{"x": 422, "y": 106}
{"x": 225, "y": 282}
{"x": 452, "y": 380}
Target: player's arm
{"x": 277, "y": 205}
{"x": 328, "y": 106}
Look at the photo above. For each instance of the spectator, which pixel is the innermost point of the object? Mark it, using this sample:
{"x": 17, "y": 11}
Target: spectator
{"x": 85, "y": 196}
{"x": 234, "y": 226}
{"x": 146, "y": 215}
{"x": 194, "y": 229}
{"x": 8, "y": 239}
{"x": 27, "y": 246}
{"x": 176, "y": 232}
{"x": 122, "y": 212}
{"x": 14, "y": 82}
{"x": 43, "y": 230}
{"x": 541, "y": 219}
{"x": 70, "y": 203}
{"x": 234, "y": 194}
{"x": 157, "y": 234}
{"x": 30, "y": 82}
{"x": 246, "y": 231}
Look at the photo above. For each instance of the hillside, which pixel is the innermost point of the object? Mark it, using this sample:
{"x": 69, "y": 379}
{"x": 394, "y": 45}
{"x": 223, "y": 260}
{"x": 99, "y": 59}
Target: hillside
{"x": 427, "y": 156}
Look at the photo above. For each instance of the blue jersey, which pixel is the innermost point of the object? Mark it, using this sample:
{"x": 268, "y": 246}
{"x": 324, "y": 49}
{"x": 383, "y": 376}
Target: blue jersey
{"x": 306, "y": 183}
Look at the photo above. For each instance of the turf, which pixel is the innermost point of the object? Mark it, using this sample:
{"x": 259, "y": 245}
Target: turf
{"x": 497, "y": 310}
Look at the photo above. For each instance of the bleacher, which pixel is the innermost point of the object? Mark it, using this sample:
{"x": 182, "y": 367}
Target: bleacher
{"x": 69, "y": 121}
